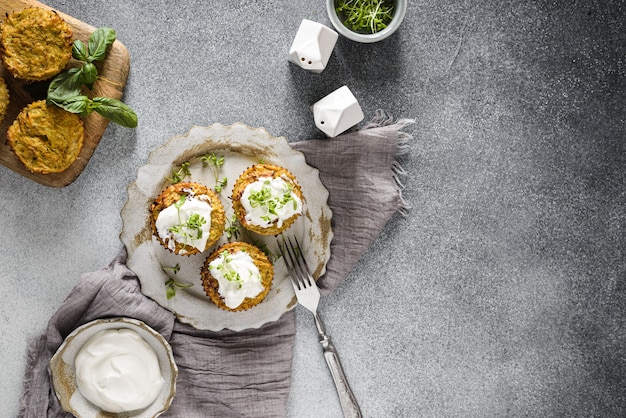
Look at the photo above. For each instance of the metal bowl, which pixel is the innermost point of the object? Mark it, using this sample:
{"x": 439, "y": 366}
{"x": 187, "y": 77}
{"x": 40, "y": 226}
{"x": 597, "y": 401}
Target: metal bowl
{"x": 398, "y": 16}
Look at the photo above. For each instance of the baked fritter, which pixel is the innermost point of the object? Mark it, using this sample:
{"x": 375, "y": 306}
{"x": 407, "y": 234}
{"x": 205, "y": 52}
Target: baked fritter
{"x": 251, "y": 175}
{"x": 47, "y": 139}
{"x": 35, "y": 44}
{"x": 266, "y": 269}
{"x": 170, "y": 196}
{"x": 4, "y": 99}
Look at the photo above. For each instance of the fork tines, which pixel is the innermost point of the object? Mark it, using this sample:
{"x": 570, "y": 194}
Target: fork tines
{"x": 295, "y": 262}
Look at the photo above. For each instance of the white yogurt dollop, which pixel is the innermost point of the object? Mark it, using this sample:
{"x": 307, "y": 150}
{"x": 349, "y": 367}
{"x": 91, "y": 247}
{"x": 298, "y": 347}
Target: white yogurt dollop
{"x": 118, "y": 371}
{"x": 270, "y": 201}
{"x": 189, "y": 223}
{"x": 238, "y": 277}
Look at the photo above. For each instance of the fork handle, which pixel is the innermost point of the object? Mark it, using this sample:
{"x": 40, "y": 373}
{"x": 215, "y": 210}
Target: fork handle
{"x": 348, "y": 402}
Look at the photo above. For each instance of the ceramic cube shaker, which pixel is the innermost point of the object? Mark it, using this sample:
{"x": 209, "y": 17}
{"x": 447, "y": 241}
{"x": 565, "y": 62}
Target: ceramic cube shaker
{"x": 337, "y": 112}
{"x": 312, "y": 46}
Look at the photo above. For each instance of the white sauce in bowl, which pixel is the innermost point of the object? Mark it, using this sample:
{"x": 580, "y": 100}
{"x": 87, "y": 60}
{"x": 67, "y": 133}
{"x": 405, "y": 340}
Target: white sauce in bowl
{"x": 118, "y": 371}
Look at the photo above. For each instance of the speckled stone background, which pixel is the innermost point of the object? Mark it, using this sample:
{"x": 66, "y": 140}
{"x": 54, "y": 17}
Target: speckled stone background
{"x": 502, "y": 293}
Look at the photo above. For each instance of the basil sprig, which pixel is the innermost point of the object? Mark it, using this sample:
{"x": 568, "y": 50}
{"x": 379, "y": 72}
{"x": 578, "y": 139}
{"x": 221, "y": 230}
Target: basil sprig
{"x": 66, "y": 88}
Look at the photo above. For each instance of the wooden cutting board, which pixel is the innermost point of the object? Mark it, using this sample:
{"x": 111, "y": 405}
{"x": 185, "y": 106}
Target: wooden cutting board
{"x": 112, "y": 76}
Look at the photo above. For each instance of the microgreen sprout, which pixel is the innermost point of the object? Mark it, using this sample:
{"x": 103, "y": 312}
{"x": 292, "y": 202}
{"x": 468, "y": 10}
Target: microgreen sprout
{"x": 180, "y": 174}
{"x": 172, "y": 286}
{"x": 179, "y": 203}
{"x": 365, "y": 16}
{"x": 220, "y": 184}
{"x": 232, "y": 228}
{"x": 215, "y": 162}
{"x": 175, "y": 269}
{"x": 265, "y": 198}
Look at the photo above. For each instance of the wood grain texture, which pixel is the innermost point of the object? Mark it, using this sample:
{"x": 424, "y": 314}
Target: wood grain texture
{"x": 112, "y": 76}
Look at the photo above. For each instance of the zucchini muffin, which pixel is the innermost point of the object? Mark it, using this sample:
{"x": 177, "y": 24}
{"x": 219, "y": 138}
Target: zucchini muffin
{"x": 187, "y": 218}
{"x": 47, "y": 139}
{"x": 267, "y": 199}
{"x": 4, "y": 99}
{"x": 35, "y": 43}
{"x": 237, "y": 276}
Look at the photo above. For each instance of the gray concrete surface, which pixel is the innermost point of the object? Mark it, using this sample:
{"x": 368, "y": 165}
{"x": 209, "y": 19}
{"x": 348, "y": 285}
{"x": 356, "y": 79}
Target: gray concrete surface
{"x": 502, "y": 293}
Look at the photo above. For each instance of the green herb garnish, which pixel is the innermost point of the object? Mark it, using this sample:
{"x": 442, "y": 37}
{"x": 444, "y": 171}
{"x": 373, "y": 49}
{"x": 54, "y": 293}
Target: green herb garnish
{"x": 195, "y": 223}
{"x": 172, "y": 286}
{"x": 220, "y": 184}
{"x": 365, "y": 16}
{"x": 215, "y": 162}
{"x": 180, "y": 174}
{"x": 265, "y": 198}
{"x": 192, "y": 226}
{"x": 232, "y": 228}
{"x": 65, "y": 89}
{"x": 228, "y": 272}
{"x": 174, "y": 269}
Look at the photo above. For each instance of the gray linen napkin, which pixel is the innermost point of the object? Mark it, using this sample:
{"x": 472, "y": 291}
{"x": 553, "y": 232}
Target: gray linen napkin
{"x": 248, "y": 373}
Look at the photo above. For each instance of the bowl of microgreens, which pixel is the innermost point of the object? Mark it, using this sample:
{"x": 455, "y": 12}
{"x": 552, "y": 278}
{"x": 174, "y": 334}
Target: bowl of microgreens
{"x": 366, "y": 21}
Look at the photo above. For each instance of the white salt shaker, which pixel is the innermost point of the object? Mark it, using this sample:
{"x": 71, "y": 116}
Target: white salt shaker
{"x": 337, "y": 112}
{"x": 312, "y": 46}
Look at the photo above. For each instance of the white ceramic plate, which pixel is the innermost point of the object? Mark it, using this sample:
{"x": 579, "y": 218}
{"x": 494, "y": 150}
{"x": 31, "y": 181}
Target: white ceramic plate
{"x": 64, "y": 377}
{"x": 241, "y": 147}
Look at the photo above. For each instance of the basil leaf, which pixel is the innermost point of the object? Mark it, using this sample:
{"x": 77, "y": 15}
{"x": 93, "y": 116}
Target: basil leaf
{"x": 76, "y": 104}
{"x": 116, "y": 111}
{"x": 99, "y": 41}
{"x": 89, "y": 75}
{"x": 79, "y": 50}
{"x": 65, "y": 85}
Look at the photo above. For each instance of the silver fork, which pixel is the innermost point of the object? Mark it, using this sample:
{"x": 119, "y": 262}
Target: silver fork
{"x": 308, "y": 296}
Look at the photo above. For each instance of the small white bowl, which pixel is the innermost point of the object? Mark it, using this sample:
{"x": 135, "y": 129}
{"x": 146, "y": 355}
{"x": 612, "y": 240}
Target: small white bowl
{"x": 64, "y": 377}
{"x": 398, "y": 16}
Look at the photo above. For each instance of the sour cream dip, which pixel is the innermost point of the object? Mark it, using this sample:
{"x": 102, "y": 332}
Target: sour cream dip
{"x": 118, "y": 371}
